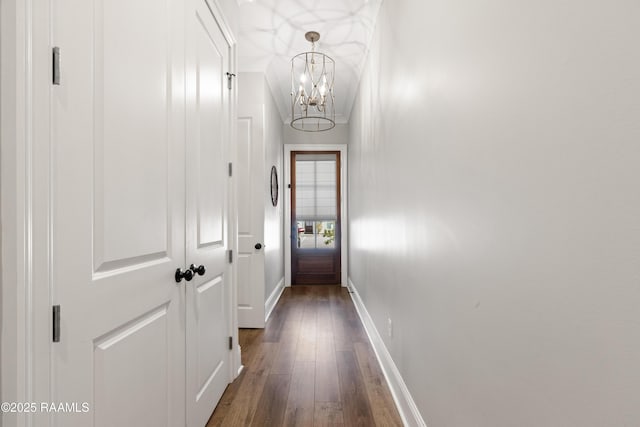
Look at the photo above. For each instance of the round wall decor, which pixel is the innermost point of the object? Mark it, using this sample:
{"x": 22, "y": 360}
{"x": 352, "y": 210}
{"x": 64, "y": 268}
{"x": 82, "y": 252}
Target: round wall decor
{"x": 274, "y": 186}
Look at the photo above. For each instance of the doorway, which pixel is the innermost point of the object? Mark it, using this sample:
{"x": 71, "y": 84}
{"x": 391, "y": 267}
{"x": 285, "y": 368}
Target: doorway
{"x": 315, "y": 218}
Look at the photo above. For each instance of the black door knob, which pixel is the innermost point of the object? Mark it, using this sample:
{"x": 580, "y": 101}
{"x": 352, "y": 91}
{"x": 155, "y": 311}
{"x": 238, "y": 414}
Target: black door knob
{"x": 258, "y": 246}
{"x": 186, "y": 275}
{"x": 199, "y": 269}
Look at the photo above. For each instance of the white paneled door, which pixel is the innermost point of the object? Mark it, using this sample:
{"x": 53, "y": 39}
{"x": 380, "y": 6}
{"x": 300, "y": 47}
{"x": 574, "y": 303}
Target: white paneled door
{"x": 131, "y": 204}
{"x": 208, "y": 119}
{"x": 251, "y": 179}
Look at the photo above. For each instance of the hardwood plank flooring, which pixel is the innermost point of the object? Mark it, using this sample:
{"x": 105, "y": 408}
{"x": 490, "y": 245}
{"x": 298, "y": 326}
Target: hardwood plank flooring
{"x": 311, "y": 366}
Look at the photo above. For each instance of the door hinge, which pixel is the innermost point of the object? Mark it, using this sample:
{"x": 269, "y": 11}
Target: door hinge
{"x": 230, "y": 169}
{"x": 230, "y": 343}
{"x": 230, "y": 76}
{"x": 230, "y": 252}
{"x": 56, "y": 323}
{"x": 56, "y": 65}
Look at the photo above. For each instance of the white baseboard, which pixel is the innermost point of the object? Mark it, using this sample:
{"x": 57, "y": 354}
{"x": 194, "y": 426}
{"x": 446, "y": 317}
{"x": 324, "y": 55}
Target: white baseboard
{"x": 406, "y": 406}
{"x": 238, "y": 363}
{"x": 271, "y": 302}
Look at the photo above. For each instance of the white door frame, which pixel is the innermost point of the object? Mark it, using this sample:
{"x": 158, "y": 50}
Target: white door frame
{"x": 235, "y": 362}
{"x": 25, "y": 200}
{"x": 344, "y": 232}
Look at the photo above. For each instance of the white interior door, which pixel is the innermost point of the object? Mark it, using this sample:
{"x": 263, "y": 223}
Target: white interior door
{"x": 251, "y": 197}
{"x": 208, "y": 126}
{"x": 118, "y": 212}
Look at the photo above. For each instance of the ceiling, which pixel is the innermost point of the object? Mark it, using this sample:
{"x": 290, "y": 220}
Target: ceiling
{"x": 272, "y": 31}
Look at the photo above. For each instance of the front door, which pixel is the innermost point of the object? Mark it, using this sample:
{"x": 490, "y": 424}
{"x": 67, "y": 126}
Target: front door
{"x": 118, "y": 213}
{"x": 315, "y": 217}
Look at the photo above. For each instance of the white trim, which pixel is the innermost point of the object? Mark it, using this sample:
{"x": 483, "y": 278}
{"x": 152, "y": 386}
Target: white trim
{"x": 404, "y": 401}
{"x": 13, "y": 140}
{"x": 235, "y": 358}
{"x": 240, "y": 365}
{"x": 271, "y": 302}
{"x": 25, "y": 203}
{"x": 232, "y": 227}
{"x": 223, "y": 22}
{"x": 344, "y": 220}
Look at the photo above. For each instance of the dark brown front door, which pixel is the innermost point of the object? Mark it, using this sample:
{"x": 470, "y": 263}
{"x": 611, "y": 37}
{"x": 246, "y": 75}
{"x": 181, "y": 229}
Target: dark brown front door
{"x": 315, "y": 217}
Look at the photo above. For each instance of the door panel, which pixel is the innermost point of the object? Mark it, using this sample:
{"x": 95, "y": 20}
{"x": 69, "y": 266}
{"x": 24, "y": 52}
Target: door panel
{"x": 210, "y": 150}
{"x": 208, "y": 121}
{"x": 315, "y": 218}
{"x": 130, "y": 184}
{"x": 118, "y": 213}
{"x": 320, "y": 264}
{"x": 251, "y": 198}
{"x": 146, "y": 338}
{"x": 211, "y": 356}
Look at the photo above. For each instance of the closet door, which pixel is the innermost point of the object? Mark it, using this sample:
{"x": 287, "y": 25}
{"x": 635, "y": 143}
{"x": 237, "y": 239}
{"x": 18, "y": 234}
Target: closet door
{"x": 118, "y": 204}
{"x": 250, "y": 173}
{"x": 207, "y": 297}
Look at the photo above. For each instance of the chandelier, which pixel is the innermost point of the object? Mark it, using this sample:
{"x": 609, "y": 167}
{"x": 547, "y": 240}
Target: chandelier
{"x": 312, "y": 75}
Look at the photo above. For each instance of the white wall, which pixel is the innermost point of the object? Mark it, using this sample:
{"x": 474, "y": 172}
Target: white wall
{"x": 337, "y": 135}
{"x": 495, "y": 207}
{"x": 273, "y": 215}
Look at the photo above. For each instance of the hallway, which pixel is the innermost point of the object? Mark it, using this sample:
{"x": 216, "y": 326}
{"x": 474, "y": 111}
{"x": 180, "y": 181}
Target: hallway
{"x": 311, "y": 366}
{"x": 484, "y": 213}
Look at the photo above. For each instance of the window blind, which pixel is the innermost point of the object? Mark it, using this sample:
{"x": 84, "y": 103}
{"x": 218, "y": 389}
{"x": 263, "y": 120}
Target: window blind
{"x": 316, "y": 191}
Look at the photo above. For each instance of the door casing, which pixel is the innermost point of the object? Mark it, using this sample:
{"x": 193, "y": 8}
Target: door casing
{"x": 288, "y": 148}
{"x": 25, "y": 199}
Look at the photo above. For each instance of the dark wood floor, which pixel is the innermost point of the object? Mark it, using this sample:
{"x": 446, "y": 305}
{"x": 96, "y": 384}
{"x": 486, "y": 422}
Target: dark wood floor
{"x": 312, "y": 365}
